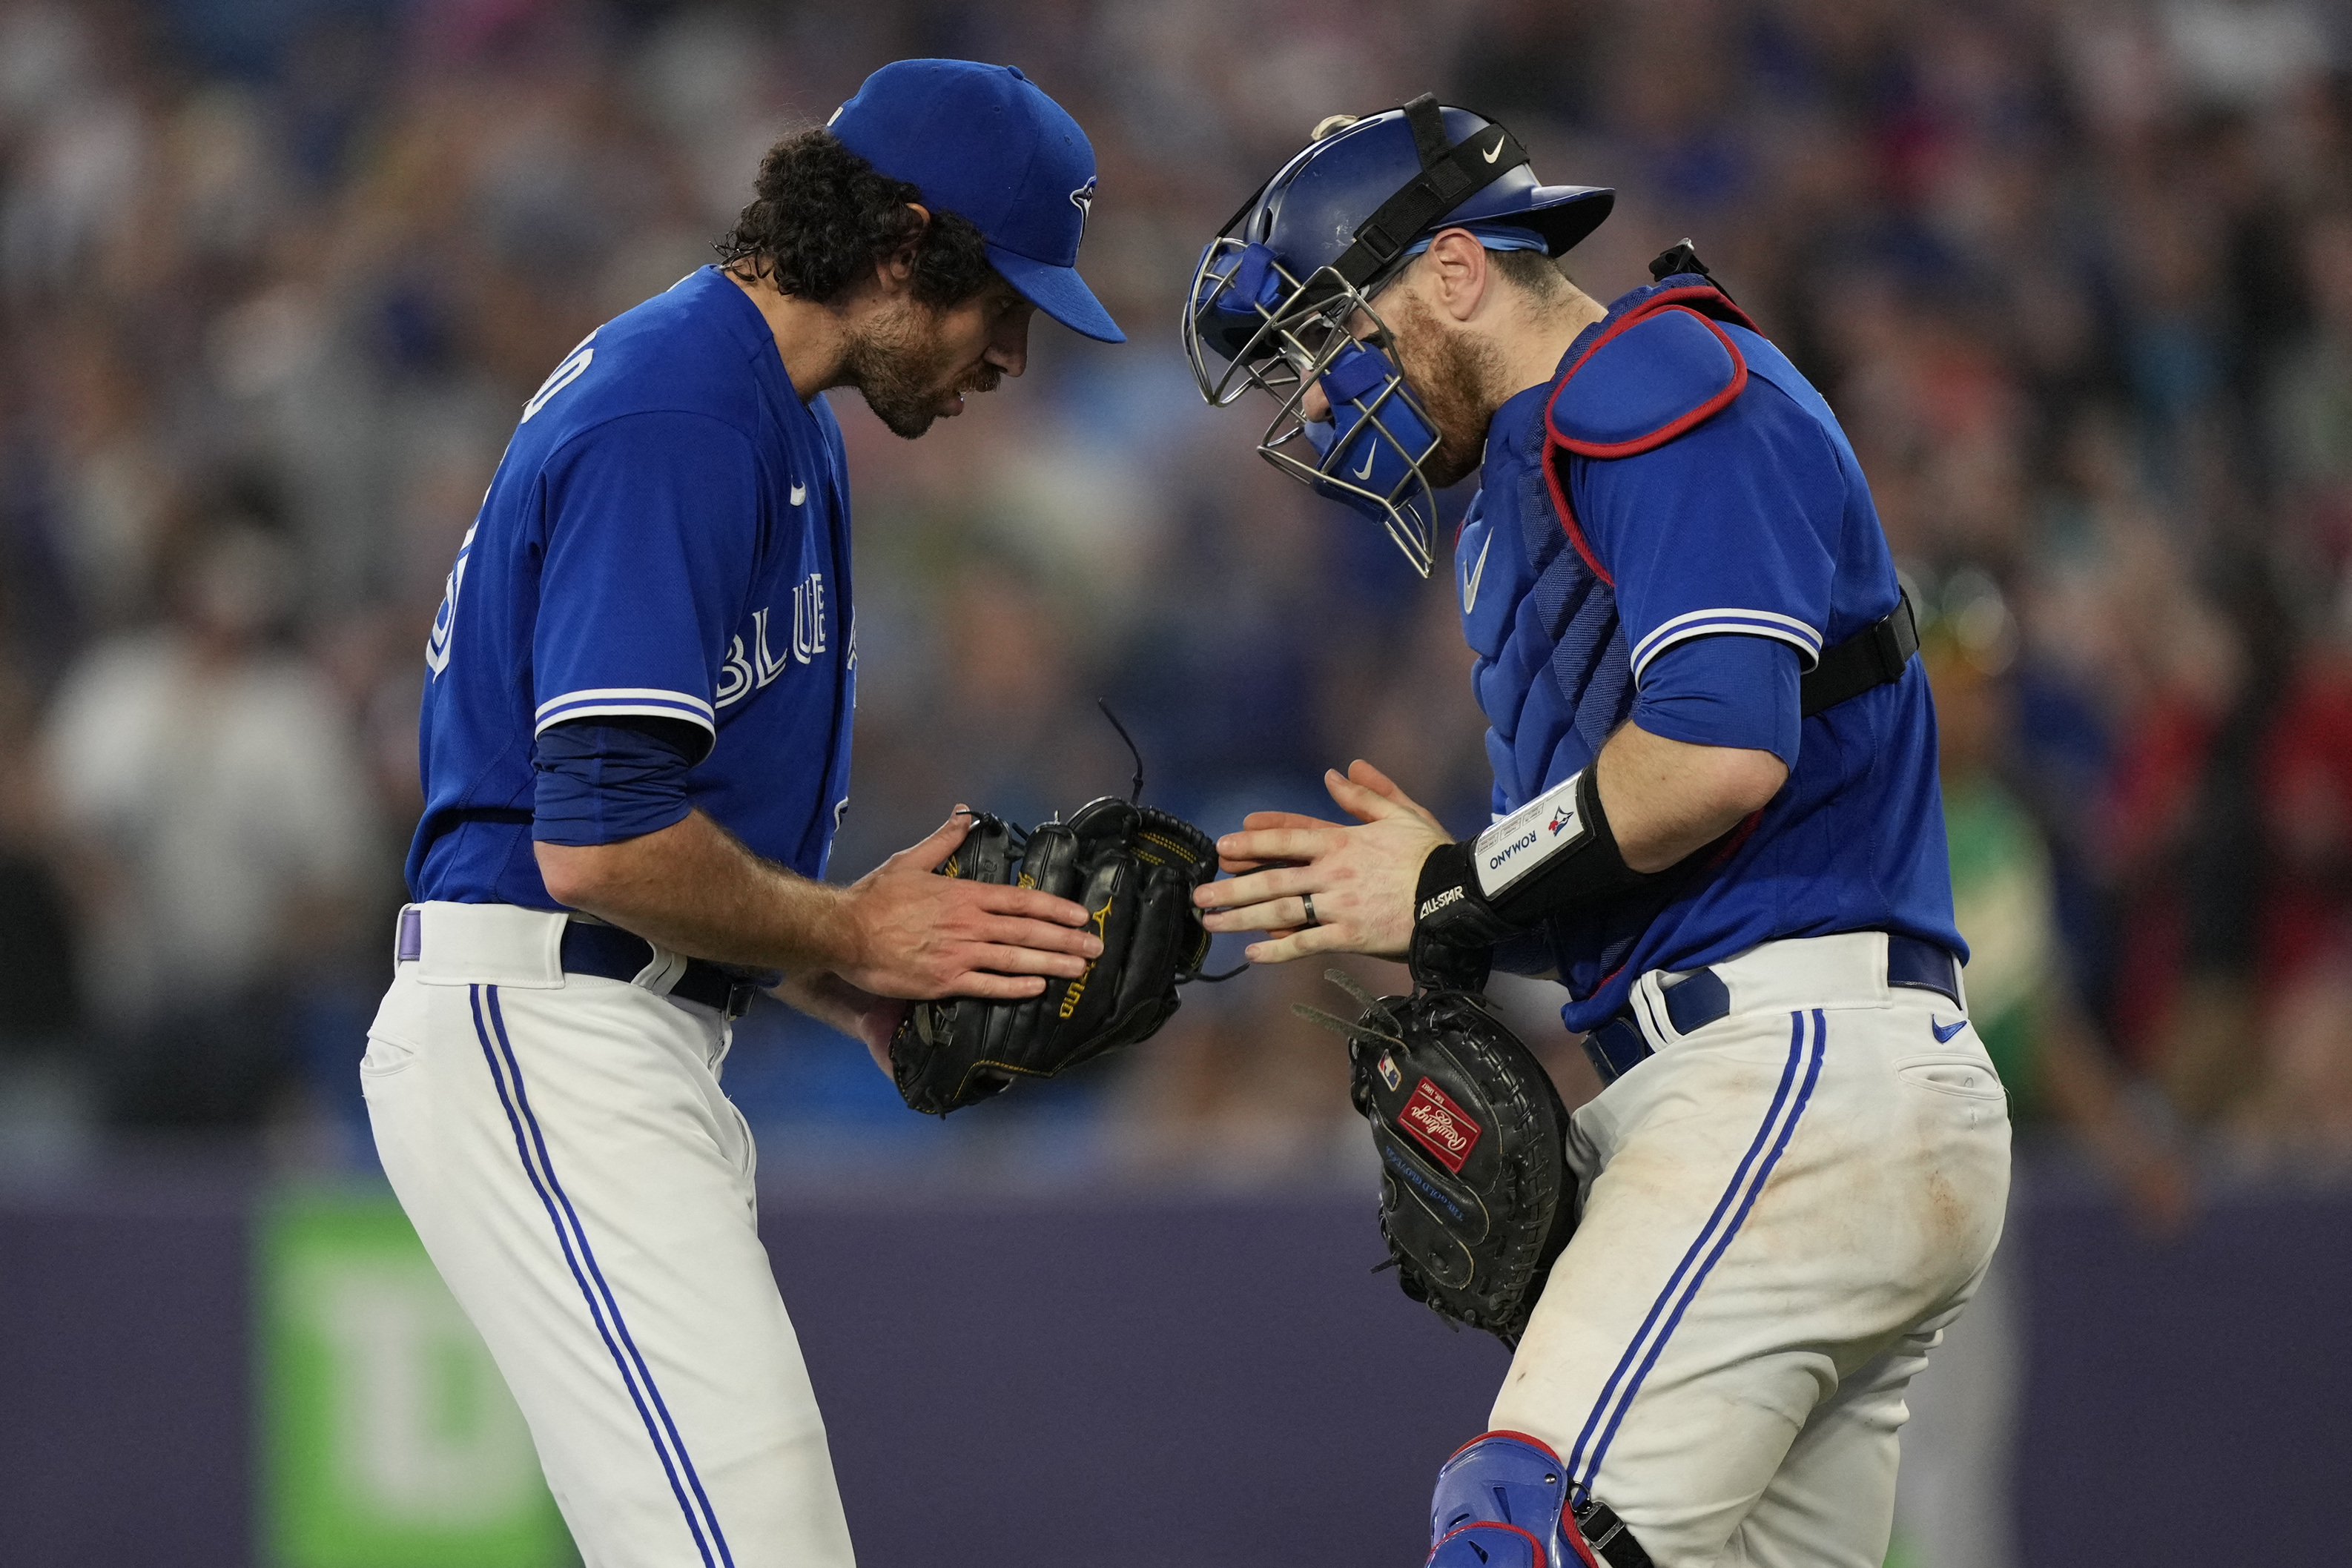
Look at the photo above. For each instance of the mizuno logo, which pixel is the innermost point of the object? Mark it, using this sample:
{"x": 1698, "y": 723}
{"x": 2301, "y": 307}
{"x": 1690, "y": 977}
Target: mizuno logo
{"x": 1944, "y": 1032}
{"x": 1470, "y": 580}
{"x": 799, "y": 494}
{"x": 1496, "y": 150}
{"x": 1366, "y": 471}
{"x": 1079, "y": 987}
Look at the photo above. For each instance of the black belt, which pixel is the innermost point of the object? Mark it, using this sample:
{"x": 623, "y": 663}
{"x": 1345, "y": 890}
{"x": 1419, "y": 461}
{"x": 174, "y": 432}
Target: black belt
{"x": 1700, "y": 998}
{"x": 1874, "y": 656}
{"x": 617, "y": 955}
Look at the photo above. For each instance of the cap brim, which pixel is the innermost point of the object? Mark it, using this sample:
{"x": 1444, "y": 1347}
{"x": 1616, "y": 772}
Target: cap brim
{"x": 1059, "y": 292}
{"x": 1564, "y": 214}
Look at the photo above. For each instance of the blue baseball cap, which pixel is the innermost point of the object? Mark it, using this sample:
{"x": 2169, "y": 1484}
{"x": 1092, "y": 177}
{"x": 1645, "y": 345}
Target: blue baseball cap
{"x": 983, "y": 141}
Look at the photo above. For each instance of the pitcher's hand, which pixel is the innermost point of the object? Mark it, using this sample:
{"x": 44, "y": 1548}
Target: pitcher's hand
{"x": 917, "y": 935}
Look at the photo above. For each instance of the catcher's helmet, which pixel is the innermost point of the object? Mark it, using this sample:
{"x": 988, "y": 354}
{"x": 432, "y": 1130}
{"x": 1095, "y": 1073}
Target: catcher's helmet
{"x": 1276, "y": 291}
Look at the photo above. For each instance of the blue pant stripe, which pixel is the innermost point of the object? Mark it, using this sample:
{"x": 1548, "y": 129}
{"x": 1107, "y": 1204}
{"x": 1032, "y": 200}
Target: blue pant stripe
{"x": 653, "y": 1389}
{"x": 1666, "y": 1293}
{"x": 1690, "y": 1292}
{"x": 541, "y": 1184}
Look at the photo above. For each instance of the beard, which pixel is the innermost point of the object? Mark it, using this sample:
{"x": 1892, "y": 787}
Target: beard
{"x": 1453, "y": 377}
{"x": 901, "y": 364}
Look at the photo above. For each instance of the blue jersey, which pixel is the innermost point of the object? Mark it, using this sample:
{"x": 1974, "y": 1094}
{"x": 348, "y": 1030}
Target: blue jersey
{"x": 1698, "y": 502}
{"x": 667, "y": 535}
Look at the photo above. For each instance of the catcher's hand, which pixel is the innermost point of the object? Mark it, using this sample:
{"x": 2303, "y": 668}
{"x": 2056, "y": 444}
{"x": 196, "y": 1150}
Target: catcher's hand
{"x": 1476, "y": 1198}
{"x": 1134, "y": 869}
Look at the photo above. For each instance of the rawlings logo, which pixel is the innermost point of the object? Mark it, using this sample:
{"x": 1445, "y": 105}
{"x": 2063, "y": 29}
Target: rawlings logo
{"x": 1450, "y": 895}
{"x": 1439, "y": 1126}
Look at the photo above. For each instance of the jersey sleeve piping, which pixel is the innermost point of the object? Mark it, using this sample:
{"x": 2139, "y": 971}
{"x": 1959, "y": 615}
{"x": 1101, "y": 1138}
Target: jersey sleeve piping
{"x": 1734, "y": 621}
{"x": 639, "y": 702}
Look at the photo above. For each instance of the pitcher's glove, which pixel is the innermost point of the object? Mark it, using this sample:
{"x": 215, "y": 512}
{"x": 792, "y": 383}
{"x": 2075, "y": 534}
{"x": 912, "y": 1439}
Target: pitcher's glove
{"x": 1476, "y": 1198}
{"x": 1134, "y": 869}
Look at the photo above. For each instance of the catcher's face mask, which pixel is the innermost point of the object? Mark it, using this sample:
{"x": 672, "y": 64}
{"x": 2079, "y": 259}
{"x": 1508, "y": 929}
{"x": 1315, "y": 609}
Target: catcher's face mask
{"x": 1276, "y": 295}
{"x": 1283, "y": 335}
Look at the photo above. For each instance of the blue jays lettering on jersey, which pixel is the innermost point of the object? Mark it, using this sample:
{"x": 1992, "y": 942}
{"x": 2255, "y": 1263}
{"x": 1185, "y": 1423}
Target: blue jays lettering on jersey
{"x": 1751, "y": 519}
{"x": 667, "y": 535}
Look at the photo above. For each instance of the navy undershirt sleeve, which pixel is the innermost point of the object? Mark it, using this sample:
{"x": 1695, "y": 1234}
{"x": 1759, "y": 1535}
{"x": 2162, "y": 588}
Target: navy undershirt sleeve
{"x": 1724, "y": 690}
{"x": 600, "y": 782}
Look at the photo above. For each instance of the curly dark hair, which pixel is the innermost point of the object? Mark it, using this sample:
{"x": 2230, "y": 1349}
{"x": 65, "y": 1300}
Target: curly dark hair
{"x": 821, "y": 216}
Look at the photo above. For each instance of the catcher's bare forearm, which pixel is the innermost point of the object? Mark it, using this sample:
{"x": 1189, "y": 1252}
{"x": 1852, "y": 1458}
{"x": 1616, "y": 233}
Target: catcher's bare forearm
{"x": 897, "y": 932}
{"x": 1667, "y": 799}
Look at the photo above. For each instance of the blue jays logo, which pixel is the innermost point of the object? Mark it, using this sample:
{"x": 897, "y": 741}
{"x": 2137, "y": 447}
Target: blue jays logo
{"x": 1561, "y": 818}
{"x": 750, "y": 669}
{"x": 1083, "y": 198}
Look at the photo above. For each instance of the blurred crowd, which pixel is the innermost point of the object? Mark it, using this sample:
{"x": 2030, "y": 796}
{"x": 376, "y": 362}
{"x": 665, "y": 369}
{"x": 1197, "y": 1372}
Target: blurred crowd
{"x": 275, "y": 279}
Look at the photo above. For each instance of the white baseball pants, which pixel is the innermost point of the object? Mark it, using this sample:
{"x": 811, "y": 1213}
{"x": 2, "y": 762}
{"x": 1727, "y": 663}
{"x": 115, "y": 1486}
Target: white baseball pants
{"x": 1783, "y": 1208}
{"x": 563, "y": 1149}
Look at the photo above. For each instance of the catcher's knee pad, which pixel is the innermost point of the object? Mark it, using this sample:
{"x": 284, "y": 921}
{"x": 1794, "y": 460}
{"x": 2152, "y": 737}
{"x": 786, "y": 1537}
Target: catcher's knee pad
{"x": 1502, "y": 1503}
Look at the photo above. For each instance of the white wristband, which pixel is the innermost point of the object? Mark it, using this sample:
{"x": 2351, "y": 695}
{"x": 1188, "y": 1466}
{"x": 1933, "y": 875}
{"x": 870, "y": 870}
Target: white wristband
{"x": 1530, "y": 838}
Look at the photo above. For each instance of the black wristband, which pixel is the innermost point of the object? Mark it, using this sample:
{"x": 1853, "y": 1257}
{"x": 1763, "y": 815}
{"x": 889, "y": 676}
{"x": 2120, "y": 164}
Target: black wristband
{"x": 1447, "y": 904}
{"x": 1552, "y": 856}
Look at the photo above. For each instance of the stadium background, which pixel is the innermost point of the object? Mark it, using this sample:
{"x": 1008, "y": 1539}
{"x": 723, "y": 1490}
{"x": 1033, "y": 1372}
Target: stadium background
{"x": 275, "y": 276}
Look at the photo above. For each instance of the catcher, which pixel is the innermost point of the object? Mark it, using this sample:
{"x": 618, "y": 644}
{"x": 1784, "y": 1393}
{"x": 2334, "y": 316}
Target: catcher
{"x": 1715, "y": 823}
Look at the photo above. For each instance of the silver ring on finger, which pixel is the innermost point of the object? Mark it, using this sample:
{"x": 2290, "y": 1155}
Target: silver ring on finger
{"x": 1308, "y": 899}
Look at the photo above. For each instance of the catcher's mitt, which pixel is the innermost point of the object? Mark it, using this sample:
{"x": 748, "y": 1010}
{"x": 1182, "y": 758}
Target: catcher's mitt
{"x": 1476, "y": 1198}
{"x": 1134, "y": 869}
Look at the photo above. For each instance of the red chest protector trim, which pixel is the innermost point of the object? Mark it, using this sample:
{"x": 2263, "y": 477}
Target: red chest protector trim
{"x": 1692, "y": 389}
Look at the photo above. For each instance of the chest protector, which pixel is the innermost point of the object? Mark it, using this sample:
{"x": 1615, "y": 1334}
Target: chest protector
{"x": 1538, "y": 608}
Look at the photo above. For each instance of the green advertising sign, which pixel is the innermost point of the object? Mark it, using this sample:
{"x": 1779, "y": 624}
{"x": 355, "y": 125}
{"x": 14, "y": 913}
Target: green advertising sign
{"x": 388, "y": 1438}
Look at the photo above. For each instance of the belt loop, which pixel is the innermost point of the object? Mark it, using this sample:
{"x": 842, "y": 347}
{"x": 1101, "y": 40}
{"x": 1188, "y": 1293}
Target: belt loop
{"x": 408, "y": 936}
{"x": 1647, "y": 1003}
{"x": 662, "y": 972}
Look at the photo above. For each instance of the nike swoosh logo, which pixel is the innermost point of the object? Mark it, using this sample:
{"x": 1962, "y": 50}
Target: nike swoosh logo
{"x": 1944, "y": 1032}
{"x": 799, "y": 494}
{"x": 1470, "y": 583}
{"x": 1366, "y": 471}
{"x": 1496, "y": 150}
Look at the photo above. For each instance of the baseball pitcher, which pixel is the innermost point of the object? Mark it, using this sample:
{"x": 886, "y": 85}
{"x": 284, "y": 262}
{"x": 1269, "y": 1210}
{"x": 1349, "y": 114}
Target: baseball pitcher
{"x": 635, "y": 748}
